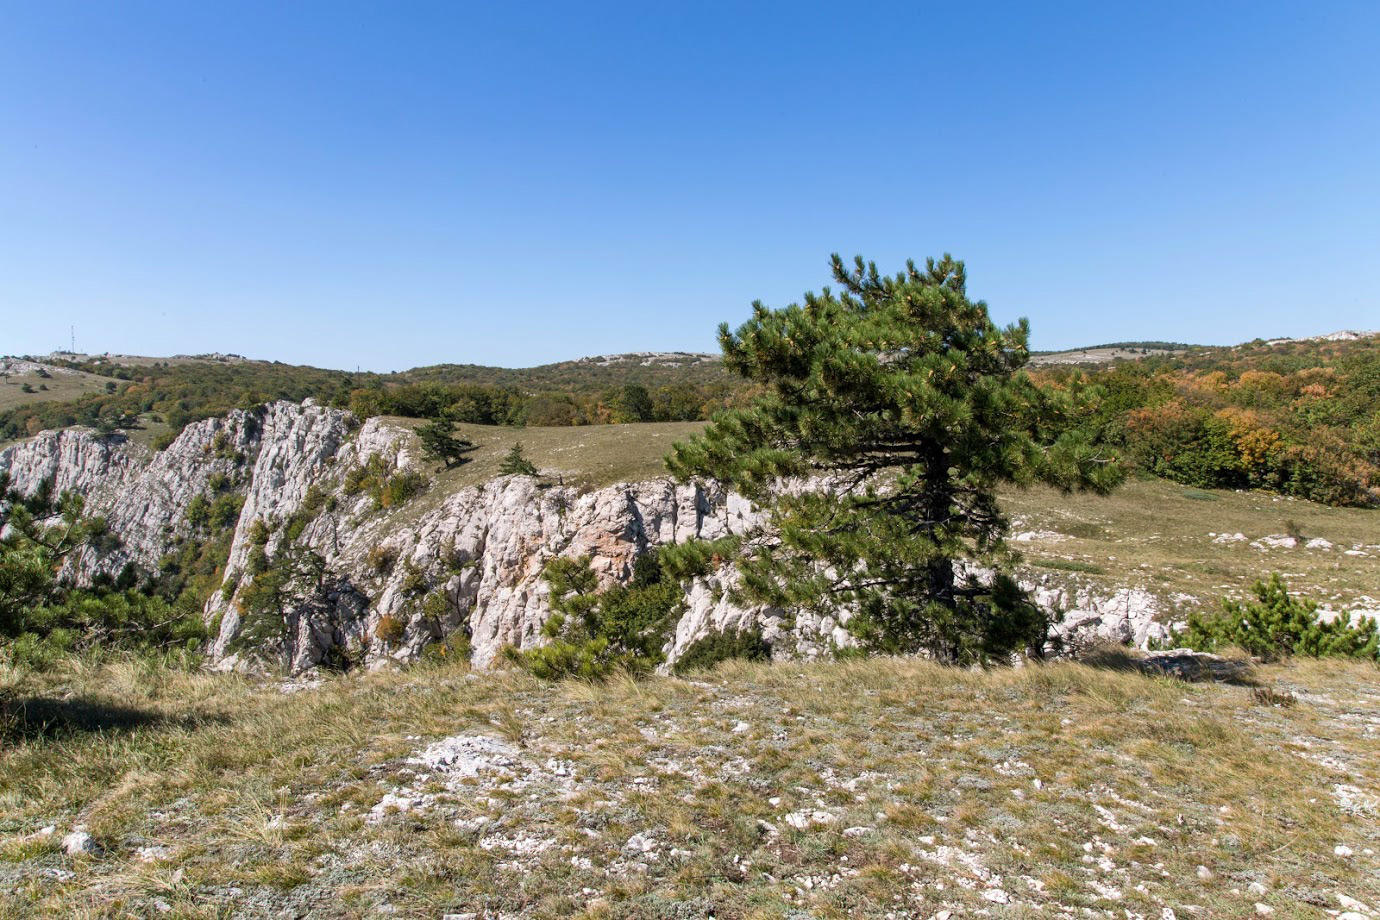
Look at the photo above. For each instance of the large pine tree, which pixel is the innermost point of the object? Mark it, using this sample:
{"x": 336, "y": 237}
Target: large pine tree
{"x": 891, "y": 413}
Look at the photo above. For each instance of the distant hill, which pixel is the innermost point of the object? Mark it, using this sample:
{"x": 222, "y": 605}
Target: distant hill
{"x": 1296, "y": 416}
{"x": 583, "y": 375}
{"x": 1114, "y": 351}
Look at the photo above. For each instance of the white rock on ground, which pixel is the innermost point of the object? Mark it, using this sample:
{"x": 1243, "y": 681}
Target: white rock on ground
{"x": 79, "y": 842}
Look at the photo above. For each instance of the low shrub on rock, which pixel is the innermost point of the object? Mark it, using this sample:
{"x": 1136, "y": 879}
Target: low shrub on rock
{"x": 596, "y": 633}
{"x": 707, "y": 651}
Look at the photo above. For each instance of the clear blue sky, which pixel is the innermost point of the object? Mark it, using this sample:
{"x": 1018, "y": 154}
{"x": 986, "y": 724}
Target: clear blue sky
{"x": 394, "y": 184}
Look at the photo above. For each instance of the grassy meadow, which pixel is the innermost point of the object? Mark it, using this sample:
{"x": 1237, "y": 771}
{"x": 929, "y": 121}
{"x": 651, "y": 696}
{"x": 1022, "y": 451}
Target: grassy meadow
{"x": 61, "y": 387}
{"x": 880, "y": 788}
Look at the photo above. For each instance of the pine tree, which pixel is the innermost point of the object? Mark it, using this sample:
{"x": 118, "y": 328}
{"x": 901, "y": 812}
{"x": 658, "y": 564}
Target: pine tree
{"x": 515, "y": 463}
{"x": 440, "y": 443}
{"x": 1275, "y": 625}
{"x": 890, "y": 414}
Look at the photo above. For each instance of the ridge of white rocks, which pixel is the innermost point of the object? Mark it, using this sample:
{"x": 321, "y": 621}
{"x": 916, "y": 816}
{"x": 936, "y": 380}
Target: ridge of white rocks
{"x": 469, "y": 561}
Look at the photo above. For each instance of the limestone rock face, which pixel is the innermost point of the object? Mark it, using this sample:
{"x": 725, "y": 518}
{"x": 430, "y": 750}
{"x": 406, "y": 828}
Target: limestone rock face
{"x": 469, "y": 561}
{"x": 143, "y": 496}
{"x": 149, "y": 512}
{"x": 373, "y": 585}
{"x": 79, "y": 459}
{"x": 1127, "y": 615}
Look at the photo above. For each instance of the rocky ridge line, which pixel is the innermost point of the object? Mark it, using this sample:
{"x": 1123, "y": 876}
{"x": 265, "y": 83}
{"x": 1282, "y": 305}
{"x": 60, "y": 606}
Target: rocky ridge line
{"x": 437, "y": 565}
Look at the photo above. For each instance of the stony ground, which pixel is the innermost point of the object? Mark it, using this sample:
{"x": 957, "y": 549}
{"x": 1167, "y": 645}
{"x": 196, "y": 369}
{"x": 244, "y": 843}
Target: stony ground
{"x": 884, "y": 788}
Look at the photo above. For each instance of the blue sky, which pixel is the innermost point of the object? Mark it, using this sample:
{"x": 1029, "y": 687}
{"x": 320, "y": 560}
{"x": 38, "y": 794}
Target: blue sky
{"x": 395, "y": 184}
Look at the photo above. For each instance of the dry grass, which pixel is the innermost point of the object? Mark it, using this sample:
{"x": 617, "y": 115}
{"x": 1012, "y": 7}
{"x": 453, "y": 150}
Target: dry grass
{"x": 1157, "y": 535}
{"x": 591, "y": 455}
{"x": 1066, "y": 787}
{"x": 60, "y": 387}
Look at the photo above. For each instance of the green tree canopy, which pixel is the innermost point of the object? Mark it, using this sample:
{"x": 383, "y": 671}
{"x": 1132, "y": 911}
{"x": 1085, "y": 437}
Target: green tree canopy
{"x": 631, "y": 403}
{"x": 440, "y": 443}
{"x": 890, "y": 414}
{"x": 515, "y": 463}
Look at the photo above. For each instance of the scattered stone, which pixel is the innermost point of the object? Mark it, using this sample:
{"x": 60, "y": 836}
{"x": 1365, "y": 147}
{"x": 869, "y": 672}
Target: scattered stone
{"x": 1275, "y": 541}
{"x": 640, "y": 843}
{"x": 79, "y": 842}
{"x": 803, "y": 819}
{"x": 1204, "y": 873}
{"x": 1342, "y": 850}
{"x": 996, "y": 896}
{"x": 1349, "y": 903}
{"x": 1030, "y": 536}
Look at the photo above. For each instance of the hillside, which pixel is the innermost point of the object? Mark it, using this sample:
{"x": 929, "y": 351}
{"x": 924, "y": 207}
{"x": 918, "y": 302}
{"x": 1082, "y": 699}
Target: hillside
{"x": 1106, "y": 354}
{"x": 222, "y": 521}
{"x": 584, "y": 375}
{"x": 29, "y": 382}
{"x": 154, "y": 398}
{"x": 1293, "y": 416}
{"x": 298, "y": 538}
{"x": 884, "y": 788}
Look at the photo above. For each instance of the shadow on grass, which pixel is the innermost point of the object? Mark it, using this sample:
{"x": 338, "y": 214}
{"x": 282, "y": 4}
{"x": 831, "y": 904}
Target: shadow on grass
{"x": 42, "y": 718}
{"x": 1193, "y": 667}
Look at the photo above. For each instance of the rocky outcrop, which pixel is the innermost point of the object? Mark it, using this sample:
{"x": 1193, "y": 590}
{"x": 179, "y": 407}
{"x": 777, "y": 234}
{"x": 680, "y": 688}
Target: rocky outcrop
{"x": 364, "y": 583}
{"x": 143, "y": 496}
{"x": 1084, "y": 615}
{"x": 77, "y": 459}
{"x": 469, "y": 561}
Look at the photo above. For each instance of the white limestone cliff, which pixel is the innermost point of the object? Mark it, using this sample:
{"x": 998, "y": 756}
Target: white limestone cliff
{"x": 468, "y": 561}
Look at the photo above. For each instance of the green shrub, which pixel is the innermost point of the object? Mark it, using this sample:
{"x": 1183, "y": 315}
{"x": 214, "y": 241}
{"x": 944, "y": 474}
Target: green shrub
{"x": 413, "y": 581}
{"x": 388, "y": 489}
{"x": 399, "y": 487}
{"x": 454, "y": 647}
{"x": 312, "y": 504}
{"x": 225, "y": 511}
{"x": 515, "y": 463}
{"x": 707, "y": 651}
{"x": 1275, "y": 625}
{"x": 593, "y": 633}
{"x": 84, "y": 620}
{"x": 198, "y": 512}
{"x": 264, "y": 602}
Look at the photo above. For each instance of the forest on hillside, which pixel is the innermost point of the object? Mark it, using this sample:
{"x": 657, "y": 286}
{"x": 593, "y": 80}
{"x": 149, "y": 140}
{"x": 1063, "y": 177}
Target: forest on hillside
{"x": 1296, "y": 417}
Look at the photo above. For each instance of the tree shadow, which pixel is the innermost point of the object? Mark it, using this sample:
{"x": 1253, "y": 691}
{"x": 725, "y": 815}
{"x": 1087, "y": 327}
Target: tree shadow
{"x": 45, "y": 719}
{"x": 1182, "y": 664}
